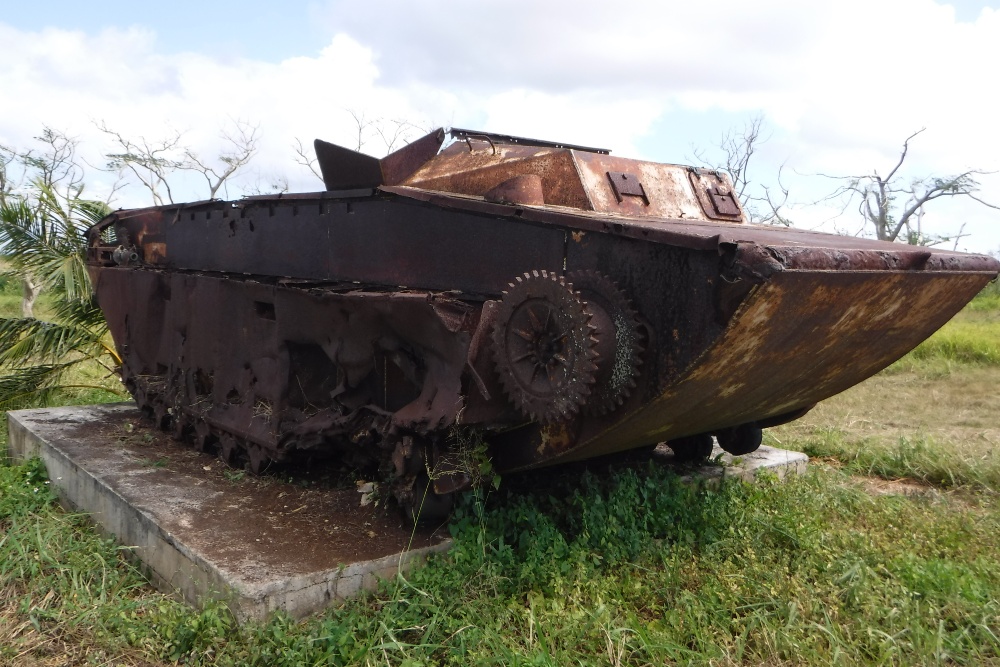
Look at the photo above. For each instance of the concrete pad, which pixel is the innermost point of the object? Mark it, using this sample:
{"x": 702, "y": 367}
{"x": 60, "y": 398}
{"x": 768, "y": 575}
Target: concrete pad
{"x": 203, "y": 530}
{"x": 206, "y": 531}
{"x": 778, "y": 462}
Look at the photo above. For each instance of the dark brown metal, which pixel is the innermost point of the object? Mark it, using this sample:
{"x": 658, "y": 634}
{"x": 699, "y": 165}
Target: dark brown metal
{"x": 545, "y": 347}
{"x": 724, "y": 203}
{"x": 344, "y": 169}
{"x": 544, "y": 301}
{"x": 459, "y": 133}
{"x": 626, "y": 185}
{"x": 619, "y": 339}
{"x": 400, "y": 165}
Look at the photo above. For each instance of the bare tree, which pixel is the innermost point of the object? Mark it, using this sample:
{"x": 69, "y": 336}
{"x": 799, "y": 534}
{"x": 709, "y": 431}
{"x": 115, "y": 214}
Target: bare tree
{"x": 737, "y": 146}
{"x": 894, "y": 207}
{"x": 241, "y": 141}
{"x": 153, "y": 163}
{"x": 306, "y": 158}
{"x": 53, "y": 164}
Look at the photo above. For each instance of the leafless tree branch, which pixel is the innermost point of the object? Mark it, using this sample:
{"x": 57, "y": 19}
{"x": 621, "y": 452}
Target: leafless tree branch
{"x": 892, "y": 208}
{"x": 392, "y": 133}
{"x": 738, "y": 147}
{"x": 306, "y": 159}
{"x": 153, "y": 162}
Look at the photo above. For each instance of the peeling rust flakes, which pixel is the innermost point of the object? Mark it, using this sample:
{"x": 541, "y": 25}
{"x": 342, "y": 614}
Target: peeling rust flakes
{"x": 155, "y": 253}
{"x": 554, "y": 439}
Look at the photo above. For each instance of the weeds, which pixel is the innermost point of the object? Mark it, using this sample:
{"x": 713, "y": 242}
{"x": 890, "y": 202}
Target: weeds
{"x": 921, "y": 459}
{"x": 624, "y": 566}
{"x": 627, "y": 566}
{"x": 971, "y": 339}
{"x": 987, "y": 300}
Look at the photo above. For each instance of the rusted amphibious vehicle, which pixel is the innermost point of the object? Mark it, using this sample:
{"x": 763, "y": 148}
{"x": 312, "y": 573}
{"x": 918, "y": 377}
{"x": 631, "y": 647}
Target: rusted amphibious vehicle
{"x": 549, "y": 300}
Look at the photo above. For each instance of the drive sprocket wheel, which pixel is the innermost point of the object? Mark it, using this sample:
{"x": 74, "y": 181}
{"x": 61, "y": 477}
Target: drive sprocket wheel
{"x": 619, "y": 339}
{"x": 544, "y": 347}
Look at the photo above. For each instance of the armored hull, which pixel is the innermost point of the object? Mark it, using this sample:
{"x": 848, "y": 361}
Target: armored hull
{"x": 482, "y": 295}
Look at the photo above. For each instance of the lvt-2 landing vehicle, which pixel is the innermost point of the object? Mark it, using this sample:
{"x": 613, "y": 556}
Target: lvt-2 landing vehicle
{"x": 550, "y": 301}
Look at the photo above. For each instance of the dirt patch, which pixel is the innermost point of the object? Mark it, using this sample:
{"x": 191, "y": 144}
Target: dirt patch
{"x": 956, "y": 409}
{"x": 897, "y": 487}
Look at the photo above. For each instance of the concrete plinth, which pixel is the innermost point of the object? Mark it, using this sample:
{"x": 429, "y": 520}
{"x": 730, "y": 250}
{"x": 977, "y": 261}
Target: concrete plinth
{"x": 778, "y": 462}
{"x": 204, "y": 530}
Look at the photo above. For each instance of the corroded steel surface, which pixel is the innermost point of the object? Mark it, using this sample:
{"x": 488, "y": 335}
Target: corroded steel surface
{"x": 482, "y": 295}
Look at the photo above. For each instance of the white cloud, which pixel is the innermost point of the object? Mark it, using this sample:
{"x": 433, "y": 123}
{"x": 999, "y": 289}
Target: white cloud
{"x": 841, "y": 83}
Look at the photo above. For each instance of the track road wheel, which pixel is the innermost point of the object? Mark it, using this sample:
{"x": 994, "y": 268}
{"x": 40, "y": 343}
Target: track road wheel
{"x": 544, "y": 347}
{"x": 619, "y": 340}
{"x": 740, "y": 440}
{"x": 692, "y": 449}
{"x": 426, "y": 507}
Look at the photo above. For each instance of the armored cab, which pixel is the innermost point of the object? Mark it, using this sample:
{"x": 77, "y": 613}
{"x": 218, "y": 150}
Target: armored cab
{"x": 479, "y": 294}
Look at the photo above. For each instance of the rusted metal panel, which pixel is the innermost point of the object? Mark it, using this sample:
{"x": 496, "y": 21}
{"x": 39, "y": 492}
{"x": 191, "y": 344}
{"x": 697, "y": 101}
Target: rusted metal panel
{"x": 474, "y": 167}
{"x": 715, "y": 194}
{"x": 666, "y": 192}
{"x": 549, "y": 301}
{"x": 847, "y": 327}
{"x": 372, "y": 241}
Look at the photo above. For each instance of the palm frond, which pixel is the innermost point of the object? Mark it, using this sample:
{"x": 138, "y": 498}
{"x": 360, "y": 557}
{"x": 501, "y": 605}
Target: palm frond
{"x": 30, "y": 386}
{"x": 48, "y": 240}
{"x": 81, "y": 313}
{"x": 43, "y": 237}
{"x": 26, "y": 340}
{"x": 91, "y": 212}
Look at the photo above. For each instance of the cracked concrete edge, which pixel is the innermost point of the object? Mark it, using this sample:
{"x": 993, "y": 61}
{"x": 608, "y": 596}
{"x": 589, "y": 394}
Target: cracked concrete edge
{"x": 765, "y": 461}
{"x": 174, "y": 568}
{"x": 302, "y": 595}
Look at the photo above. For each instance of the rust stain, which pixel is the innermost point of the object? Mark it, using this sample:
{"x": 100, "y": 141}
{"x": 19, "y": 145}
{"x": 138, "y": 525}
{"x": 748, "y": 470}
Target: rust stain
{"x": 555, "y": 439}
{"x": 155, "y": 253}
{"x": 432, "y": 299}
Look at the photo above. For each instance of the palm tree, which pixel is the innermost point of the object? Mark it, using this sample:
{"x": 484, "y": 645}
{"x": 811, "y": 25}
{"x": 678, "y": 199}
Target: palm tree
{"x": 42, "y": 238}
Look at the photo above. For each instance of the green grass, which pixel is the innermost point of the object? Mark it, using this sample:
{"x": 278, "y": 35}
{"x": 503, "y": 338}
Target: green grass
{"x": 626, "y": 567}
{"x": 920, "y": 459}
{"x": 971, "y": 337}
{"x": 988, "y": 299}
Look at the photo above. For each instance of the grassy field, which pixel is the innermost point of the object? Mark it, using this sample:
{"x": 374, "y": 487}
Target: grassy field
{"x": 886, "y": 552}
{"x": 934, "y": 416}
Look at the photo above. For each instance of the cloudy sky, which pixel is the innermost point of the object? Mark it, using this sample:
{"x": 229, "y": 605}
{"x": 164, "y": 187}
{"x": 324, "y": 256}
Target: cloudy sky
{"x": 839, "y": 84}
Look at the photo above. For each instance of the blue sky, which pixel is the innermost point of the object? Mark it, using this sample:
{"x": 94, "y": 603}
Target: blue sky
{"x": 270, "y": 31}
{"x": 839, "y": 84}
